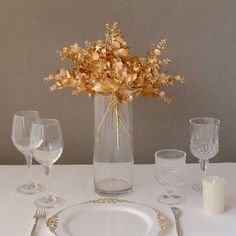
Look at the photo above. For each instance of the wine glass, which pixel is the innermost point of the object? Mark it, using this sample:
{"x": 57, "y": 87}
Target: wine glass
{"x": 204, "y": 142}
{"x": 21, "y": 128}
{"x": 170, "y": 171}
{"x": 47, "y": 145}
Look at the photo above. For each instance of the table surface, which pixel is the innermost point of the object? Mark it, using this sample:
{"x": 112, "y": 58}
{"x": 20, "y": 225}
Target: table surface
{"x": 74, "y": 184}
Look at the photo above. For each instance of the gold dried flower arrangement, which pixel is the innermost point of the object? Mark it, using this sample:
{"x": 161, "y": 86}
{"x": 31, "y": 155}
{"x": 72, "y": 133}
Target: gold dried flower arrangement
{"x": 108, "y": 68}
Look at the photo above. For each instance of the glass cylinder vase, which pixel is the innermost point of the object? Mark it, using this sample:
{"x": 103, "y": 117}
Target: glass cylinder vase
{"x": 113, "y": 151}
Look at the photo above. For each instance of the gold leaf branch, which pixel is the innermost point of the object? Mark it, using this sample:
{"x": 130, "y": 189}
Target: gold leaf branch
{"x": 107, "y": 67}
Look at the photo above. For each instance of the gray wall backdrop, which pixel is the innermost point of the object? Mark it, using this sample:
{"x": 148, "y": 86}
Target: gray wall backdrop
{"x": 201, "y": 43}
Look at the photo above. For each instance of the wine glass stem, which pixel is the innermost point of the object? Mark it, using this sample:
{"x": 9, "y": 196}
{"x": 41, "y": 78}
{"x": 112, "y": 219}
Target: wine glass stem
{"x": 48, "y": 176}
{"x": 28, "y": 158}
{"x": 170, "y": 190}
{"x": 204, "y": 165}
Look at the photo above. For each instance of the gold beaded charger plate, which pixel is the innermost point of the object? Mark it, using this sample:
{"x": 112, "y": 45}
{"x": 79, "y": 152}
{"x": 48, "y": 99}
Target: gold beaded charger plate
{"x": 108, "y": 217}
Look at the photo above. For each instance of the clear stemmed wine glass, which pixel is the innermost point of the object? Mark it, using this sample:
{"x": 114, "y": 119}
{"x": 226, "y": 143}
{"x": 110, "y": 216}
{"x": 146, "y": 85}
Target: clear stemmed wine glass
{"x": 170, "y": 171}
{"x": 47, "y": 146}
{"x": 21, "y": 128}
{"x": 204, "y": 142}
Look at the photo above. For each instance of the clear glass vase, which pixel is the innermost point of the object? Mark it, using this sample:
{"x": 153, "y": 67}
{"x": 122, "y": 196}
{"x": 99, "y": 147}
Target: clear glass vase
{"x": 113, "y": 151}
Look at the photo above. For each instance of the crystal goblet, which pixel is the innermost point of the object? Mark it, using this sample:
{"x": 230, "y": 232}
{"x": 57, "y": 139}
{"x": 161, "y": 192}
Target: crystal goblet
{"x": 204, "y": 142}
{"x": 170, "y": 171}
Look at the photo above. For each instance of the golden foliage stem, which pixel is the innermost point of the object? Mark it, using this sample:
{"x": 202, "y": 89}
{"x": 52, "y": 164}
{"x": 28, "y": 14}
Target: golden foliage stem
{"x": 117, "y": 127}
{"x": 104, "y": 116}
{"x": 113, "y": 106}
{"x": 125, "y": 127}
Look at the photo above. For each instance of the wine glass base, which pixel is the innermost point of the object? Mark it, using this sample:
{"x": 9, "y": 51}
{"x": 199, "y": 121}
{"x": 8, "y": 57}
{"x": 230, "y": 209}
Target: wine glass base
{"x": 50, "y": 202}
{"x": 197, "y": 187}
{"x": 30, "y": 189}
{"x": 170, "y": 199}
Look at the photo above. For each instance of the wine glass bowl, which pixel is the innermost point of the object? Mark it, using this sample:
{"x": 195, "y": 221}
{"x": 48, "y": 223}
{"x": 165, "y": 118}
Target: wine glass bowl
{"x": 170, "y": 171}
{"x": 47, "y": 146}
{"x": 21, "y": 129}
{"x": 204, "y": 142}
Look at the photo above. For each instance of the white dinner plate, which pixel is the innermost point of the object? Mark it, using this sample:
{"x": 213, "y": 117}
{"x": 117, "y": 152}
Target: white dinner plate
{"x": 108, "y": 217}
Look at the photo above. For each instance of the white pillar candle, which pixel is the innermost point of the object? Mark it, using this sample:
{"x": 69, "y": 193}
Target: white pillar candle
{"x": 213, "y": 194}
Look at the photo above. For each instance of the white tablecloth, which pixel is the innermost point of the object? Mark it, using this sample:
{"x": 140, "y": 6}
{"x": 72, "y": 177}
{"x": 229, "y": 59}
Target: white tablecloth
{"x": 74, "y": 184}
